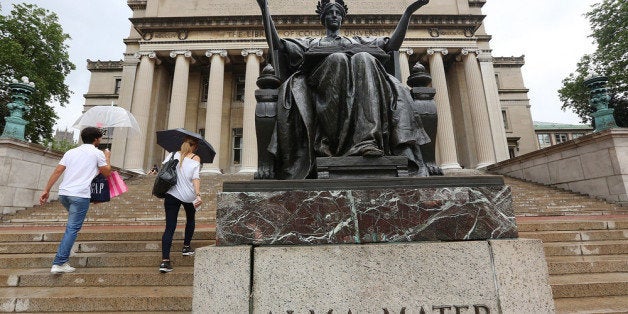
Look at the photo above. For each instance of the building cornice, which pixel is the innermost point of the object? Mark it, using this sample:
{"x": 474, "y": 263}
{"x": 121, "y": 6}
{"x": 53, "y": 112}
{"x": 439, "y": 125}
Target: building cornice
{"x": 137, "y": 4}
{"x": 477, "y": 3}
{"x": 150, "y": 24}
{"x": 509, "y": 61}
{"x": 103, "y": 66}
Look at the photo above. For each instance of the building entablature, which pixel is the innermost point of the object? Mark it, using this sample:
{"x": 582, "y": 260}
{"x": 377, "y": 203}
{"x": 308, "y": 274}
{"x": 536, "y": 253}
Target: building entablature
{"x": 147, "y": 25}
{"x": 509, "y": 61}
{"x": 103, "y": 65}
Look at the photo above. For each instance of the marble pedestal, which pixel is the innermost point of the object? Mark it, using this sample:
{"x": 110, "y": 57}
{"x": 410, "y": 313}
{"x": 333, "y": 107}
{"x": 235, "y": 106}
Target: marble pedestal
{"x": 364, "y": 211}
{"x": 396, "y": 245}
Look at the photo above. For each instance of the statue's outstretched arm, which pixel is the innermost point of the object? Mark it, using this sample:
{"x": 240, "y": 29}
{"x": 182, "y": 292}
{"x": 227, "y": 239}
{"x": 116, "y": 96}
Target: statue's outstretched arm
{"x": 397, "y": 37}
{"x": 272, "y": 36}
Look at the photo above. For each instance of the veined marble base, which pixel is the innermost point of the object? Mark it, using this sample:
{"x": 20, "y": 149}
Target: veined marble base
{"x": 494, "y": 276}
{"x": 364, "y": 211}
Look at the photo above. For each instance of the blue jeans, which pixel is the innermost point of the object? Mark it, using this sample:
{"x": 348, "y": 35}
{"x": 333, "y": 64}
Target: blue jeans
{"x": 77, "y": 210}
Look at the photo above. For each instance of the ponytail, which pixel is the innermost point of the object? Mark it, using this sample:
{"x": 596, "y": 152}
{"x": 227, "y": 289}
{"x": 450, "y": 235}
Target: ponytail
{"x": 189, "y": 145}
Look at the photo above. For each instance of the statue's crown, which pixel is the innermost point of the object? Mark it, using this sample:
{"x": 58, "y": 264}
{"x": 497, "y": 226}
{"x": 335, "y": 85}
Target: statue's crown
{"x": 323, "y": 4}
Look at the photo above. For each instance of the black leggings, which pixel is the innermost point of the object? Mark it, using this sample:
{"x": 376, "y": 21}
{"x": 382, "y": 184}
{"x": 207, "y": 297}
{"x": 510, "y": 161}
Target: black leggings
{"x": 172, "y": 206}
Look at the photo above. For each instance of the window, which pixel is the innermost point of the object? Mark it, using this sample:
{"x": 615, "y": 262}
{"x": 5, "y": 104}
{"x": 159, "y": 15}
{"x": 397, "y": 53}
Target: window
{"x": 116, "y": 88}
{"x": 497, "y": 80}
{"x": 239, "y": 89}
{"x": 560, "y": 137}
{"x": 237, "y": 146}
{"x": 544, "y": 140}
{"x": 204, "y": 87}
{"x": 576, "y": 135}
{"x": 505, "y": 118}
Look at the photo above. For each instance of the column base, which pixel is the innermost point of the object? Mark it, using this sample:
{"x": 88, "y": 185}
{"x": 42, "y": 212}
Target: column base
{"x": 248, "y": 170}
{"x": 211, "y": 170}
{"x": 483, "y": 165}
{"x": 454, "y": 165}
{"x": 138, "y": 171}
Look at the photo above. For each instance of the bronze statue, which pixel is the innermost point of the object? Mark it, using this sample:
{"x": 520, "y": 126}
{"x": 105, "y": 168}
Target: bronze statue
{"x": 337, "y": 99}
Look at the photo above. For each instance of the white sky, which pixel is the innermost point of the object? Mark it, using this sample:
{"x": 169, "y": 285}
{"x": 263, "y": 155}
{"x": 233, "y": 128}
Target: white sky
{"x": 552, "y": 34}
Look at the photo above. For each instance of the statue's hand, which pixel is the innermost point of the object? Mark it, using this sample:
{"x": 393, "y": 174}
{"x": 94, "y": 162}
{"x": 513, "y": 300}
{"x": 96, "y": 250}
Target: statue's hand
{"x": 416, "y": 5}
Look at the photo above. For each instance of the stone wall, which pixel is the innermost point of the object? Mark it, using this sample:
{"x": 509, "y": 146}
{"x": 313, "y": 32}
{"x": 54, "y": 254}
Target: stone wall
{"x": 595, "y": 164}
{"x": 24, "y": 172}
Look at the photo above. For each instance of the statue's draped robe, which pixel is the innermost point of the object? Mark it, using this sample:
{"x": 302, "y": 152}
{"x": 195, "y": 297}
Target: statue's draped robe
{"x": 344, "y": 105}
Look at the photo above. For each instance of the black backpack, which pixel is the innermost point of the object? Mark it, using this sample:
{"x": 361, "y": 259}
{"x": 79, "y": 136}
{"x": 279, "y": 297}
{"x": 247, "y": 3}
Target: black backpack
{"x": 166, "y": 177}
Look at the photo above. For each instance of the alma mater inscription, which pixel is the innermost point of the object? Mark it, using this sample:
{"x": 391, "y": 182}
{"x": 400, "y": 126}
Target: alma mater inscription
{"x": 440, "y": 309}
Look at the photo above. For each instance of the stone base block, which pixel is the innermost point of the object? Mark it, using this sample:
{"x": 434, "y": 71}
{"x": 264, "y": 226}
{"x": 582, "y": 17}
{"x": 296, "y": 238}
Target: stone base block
{"x": 495, "y": 276}
{"x": 361, "y": 167}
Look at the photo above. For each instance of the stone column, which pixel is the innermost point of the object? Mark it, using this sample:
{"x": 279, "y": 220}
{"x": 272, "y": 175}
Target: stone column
{"x": 125, "y": 98}
{"x": 249, "y": 138}
{"x": 213, "y": 115}
{"x": 404, "y": 64}
{"x": 179, "y": 97}
{"x": 447, "y": 153}
{"x": 140, "y": 108}
{"x": 494, "y": 106}
{"x": 479, "y": 115}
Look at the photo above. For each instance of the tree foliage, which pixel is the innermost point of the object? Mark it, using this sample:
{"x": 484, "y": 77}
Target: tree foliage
{"x": 609, "y": 25}
{"x": 32, "y": 44}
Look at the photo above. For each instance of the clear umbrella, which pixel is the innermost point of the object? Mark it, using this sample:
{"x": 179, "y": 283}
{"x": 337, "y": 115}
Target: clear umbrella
{"x": 107, "y": 117}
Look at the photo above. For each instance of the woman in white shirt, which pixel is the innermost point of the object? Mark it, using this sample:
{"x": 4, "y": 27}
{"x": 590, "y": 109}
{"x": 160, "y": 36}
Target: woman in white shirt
{"x": 187, "y": 193}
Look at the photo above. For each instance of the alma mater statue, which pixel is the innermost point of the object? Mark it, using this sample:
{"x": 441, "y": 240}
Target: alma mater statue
{"x": 337, "y": 98}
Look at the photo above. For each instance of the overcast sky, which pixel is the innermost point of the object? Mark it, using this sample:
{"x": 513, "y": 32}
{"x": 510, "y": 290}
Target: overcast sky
{"x": 552, "y": 34}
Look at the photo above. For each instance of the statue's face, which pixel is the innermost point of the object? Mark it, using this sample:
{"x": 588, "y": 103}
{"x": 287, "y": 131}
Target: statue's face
{"x": 333, "y": 18}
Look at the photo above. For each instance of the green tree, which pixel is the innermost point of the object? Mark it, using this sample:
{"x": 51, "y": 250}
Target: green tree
{"x": 32, "y": 44}
{"x": 609, "y": 25}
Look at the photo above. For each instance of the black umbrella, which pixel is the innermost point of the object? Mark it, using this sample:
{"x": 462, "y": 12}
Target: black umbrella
{"x": 171, "y": 141}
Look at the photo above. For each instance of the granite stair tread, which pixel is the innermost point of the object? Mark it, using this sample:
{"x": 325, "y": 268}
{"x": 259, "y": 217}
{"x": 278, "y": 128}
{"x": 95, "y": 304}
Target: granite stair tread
{"x": 589, "y": 305}
{"x": 575, "y": 236}
{"x": 106, "y": 276}
{"x": 130, "y": 298}
{"x": 591, "y": 285}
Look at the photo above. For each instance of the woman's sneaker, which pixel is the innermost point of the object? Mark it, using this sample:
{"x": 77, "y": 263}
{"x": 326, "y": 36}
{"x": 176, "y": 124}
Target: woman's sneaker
{"x": 165, "y": 267}
{"x": 187, "y": 250}
{"x": 65, "y": 268}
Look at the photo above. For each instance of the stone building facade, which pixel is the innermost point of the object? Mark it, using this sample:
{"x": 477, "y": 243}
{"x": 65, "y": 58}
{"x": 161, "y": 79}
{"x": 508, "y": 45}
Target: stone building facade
{"x": 193, "y": 64}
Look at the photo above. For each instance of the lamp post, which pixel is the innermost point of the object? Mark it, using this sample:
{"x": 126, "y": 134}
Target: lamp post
{"x": 20, "y": 95}
{"x": 603, "y": 116}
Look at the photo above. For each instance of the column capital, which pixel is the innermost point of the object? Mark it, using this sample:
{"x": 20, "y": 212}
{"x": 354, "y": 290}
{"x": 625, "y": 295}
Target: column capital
{"x": 185, "y": 53}
{"x": 257, "y": 52}
{"x": 485, "y": 56}
{"x": 219, "y": 52}
{"x": 442, "y": 51}
{"x": 149, "y": 54}
{"x": 466, "y": 51}
{"x": 408, "y": 51}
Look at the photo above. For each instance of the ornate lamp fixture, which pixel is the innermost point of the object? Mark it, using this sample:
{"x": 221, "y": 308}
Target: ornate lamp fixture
{"x": 20, "y": 94}
{"x": 599, "y": 99}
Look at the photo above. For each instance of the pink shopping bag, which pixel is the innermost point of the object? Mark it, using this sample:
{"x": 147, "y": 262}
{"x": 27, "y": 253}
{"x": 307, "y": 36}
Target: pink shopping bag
{"x": 116, "y": 184}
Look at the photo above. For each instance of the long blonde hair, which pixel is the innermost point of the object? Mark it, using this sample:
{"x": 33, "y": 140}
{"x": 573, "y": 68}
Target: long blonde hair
{"x": 189, "y": 145}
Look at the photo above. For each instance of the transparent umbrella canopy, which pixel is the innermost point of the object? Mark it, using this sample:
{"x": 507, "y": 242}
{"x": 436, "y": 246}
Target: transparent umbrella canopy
{"x": 108, "y": 117}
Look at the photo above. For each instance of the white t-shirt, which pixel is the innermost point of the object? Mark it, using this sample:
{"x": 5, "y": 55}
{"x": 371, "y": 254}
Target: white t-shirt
{"x": 184, "y": 189}
{"x": 81, "y": 166}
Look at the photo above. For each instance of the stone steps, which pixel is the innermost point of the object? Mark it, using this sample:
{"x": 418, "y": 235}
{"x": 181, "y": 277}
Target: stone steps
{"x": 585, "y": 243}
{"x": 105, "y": 299}
{"x": 606, "y": 305}
{"x": 97, "y": 277}
{"x": 589, "y": 285}
{"x": 561, "y": 265}
{"x": 118, "y": 251}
